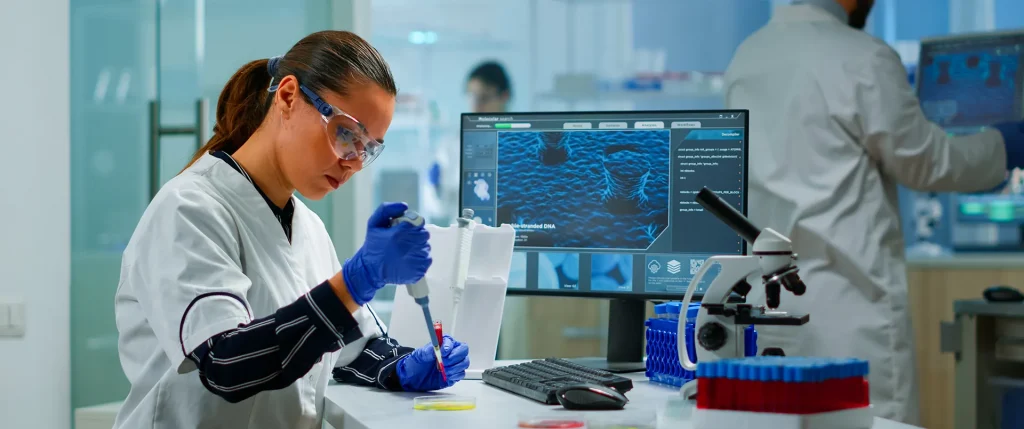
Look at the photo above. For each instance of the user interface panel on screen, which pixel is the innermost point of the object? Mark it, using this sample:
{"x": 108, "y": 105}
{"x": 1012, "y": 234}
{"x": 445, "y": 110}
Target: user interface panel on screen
{"x": 604, "y": 202}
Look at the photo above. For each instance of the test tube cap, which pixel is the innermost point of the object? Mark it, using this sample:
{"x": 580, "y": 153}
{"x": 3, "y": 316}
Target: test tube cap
{"x": 444, "y": 403}
{"x": 691, "y": 312}
{"x": 784, "y": 368}
{"x": 660, "y": 309}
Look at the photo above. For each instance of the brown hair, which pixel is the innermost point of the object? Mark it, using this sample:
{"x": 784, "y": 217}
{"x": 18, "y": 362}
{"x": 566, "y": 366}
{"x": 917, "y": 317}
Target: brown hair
{"x": 326, "y": 60}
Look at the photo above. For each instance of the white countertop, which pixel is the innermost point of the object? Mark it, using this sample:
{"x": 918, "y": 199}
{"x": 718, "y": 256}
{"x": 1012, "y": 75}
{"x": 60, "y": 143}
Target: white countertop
{"x": 969, "y": 261}
{"x": 355, "y": 407}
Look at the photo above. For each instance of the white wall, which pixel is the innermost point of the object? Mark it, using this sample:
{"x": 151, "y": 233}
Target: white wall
{"x": 35, "y": 211}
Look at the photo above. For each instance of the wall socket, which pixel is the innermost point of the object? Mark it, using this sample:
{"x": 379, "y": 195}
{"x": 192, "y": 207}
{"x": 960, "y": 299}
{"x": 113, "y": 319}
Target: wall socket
{"x": 12, "y": 318}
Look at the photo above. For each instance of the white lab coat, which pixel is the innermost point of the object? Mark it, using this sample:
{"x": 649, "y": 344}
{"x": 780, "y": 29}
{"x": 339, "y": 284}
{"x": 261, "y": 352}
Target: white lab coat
{"x": 209, "y": 231}
{"x": 834, "y": 127}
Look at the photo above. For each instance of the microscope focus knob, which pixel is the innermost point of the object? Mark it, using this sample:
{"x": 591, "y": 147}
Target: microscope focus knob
{"x": 712, "y": 336}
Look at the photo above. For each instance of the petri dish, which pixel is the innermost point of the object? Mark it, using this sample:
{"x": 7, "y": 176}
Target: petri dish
{"x": 552, "y": 422}
{"x": 444, "y": 403}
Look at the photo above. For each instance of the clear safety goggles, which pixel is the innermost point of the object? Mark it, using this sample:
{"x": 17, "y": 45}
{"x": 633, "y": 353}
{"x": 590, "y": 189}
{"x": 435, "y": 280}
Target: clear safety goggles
{"x": 350, "y": 138}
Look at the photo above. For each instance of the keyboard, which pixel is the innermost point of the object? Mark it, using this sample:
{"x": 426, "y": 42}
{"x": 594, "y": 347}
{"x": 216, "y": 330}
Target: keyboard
{"x": 540, "y": 379}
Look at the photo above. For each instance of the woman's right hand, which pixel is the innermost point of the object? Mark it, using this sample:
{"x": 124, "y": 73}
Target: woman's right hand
{"x": 396, "y": 254}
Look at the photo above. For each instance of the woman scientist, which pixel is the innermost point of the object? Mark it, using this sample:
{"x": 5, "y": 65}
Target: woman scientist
{"x": 230, "y": 287}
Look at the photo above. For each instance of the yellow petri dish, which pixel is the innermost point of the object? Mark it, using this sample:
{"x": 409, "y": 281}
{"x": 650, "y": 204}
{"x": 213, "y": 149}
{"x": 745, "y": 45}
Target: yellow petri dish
{"x": 444, "y": 403}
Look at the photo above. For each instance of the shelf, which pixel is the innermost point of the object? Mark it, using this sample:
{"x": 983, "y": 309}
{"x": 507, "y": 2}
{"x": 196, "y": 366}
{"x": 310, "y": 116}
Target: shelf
{"x": 629, "y": 95}
{"x": 433, "y": 129}
{"x": 409, "y": 123}
{"x": 412, "y": 121}
{"x": 450, "y": 43}
{"x": 419, "y": 125}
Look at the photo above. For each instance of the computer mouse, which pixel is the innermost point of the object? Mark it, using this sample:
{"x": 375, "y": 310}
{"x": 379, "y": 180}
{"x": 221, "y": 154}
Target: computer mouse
{"x": 1003, "y": 294}
{"x": 586, "y": 396}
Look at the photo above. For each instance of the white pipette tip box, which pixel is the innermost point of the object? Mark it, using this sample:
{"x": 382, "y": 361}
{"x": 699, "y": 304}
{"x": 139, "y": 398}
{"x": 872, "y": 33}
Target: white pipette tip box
{"x": 855, "y": 418}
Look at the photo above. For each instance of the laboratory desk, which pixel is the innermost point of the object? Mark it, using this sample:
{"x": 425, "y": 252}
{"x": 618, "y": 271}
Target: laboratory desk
{"x": 935, "y": 284}
{"x": 354, "y": 407}
{"x": 987, "y": 341}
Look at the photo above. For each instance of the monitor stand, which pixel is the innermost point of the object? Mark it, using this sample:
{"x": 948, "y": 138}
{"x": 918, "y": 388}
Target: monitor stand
{"x": 625, "y": 338}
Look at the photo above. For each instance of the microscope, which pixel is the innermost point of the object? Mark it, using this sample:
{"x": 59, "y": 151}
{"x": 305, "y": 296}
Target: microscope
{"x": 720, "y": 324}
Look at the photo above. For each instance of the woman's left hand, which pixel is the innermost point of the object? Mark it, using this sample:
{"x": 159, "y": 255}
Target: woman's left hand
{"x": 418, "y": 371}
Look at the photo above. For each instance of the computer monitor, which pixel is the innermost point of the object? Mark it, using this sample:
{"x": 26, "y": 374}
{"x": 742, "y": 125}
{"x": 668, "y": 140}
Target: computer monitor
{"x": 603, "y": 204}
{"x": 966, "y": 83}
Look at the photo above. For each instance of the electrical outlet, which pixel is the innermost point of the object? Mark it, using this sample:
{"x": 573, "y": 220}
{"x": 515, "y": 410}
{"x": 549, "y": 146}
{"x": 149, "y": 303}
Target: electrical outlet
{"x": 12, "y": 319}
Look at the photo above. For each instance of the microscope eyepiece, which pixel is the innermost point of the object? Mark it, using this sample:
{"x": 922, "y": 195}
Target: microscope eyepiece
{"x": 728, "y": 215}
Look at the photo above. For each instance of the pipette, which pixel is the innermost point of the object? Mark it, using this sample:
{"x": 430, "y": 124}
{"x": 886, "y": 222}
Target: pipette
{"x": 465, "y": 243}
{"x": 420, "y": 294}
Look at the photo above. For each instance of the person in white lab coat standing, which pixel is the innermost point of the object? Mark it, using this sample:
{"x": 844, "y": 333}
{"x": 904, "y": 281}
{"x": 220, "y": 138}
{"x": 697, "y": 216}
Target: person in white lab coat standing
{"x": 488, "y": 90}
{"x": 834, "y": 128}
{"x": 233, "y": 310}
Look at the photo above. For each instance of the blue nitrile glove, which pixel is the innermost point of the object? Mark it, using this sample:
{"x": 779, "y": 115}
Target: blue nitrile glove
{"x": 417, "y": 371}
{"x": 1013, "y": 136}
{"x": 390, "y": 255}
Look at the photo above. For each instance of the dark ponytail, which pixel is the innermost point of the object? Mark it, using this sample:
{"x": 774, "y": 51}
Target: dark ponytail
{"x": 326, "y": 60}
{"x": 240, "y": 109}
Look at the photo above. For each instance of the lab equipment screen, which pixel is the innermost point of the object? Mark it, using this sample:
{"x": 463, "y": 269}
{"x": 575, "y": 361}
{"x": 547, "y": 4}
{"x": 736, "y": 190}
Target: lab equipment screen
{"x": 965, "y": 84}
{"x": 969, "y": 83}
{"x": 603, "y": 203}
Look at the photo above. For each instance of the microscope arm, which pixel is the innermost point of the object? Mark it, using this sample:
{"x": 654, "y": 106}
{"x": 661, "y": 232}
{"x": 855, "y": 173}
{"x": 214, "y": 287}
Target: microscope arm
{"x": 733, "y": 267}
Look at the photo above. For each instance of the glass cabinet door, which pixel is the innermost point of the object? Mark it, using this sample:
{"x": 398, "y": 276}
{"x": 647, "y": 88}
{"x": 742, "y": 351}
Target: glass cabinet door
{"x": 112, "y": 58}
{"x": 139, "y": 73}
{"x": 201, "y": 44}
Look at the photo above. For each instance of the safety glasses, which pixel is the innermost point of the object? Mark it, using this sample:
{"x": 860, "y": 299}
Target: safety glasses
{"x": 350, "y": 138}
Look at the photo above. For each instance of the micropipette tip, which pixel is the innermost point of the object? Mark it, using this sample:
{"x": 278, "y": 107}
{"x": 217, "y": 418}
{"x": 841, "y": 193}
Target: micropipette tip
{"x": 440, "y": 365}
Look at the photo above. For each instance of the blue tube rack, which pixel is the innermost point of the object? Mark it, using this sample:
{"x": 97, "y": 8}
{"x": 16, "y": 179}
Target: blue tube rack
{"x": 789, "y": 369}
{"x": 662, "y": 352}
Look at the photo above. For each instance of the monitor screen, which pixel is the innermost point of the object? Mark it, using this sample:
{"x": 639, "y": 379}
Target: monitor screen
{"x": 970, "y": 82}
{"x": 603, "y": 203}
{"x": 967, "y": 83}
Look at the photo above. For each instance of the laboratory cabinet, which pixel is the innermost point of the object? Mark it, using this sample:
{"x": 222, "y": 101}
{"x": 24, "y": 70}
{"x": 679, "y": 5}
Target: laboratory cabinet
{"x": 935, "y": 287}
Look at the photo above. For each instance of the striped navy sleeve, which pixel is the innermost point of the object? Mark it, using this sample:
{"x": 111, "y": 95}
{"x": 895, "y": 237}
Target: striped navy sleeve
{"x": 272, "y": 352}
{"x": 375, "y": 366}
